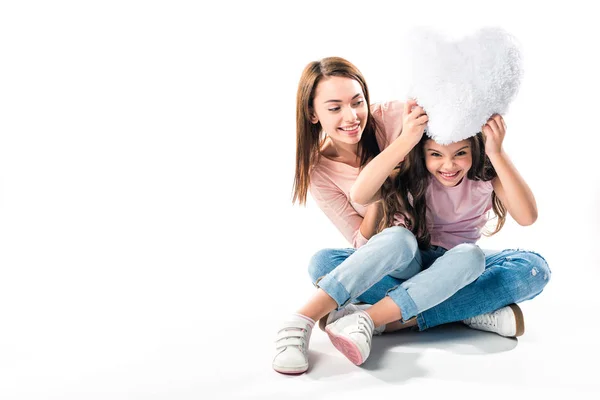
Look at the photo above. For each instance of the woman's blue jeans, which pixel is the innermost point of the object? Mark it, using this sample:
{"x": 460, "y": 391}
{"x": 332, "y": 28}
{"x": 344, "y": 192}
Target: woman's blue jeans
{"x": 437, "y": 286}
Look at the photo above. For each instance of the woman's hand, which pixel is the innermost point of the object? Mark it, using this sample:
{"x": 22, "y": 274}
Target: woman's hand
{"x": 414, "y": 121}
{"x": 368, "y": 184}
{"x": 494, "y": 131}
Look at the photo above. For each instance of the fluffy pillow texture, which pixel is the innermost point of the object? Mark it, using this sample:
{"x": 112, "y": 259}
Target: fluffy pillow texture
{"x": 461, "y": 83}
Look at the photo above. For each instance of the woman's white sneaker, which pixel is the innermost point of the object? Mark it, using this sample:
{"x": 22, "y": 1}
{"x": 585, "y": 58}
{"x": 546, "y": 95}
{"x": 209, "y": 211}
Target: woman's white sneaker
{"x": 291, "y": 346}
{"x": 352, "y": 336}
{"x": 507, "y": 321}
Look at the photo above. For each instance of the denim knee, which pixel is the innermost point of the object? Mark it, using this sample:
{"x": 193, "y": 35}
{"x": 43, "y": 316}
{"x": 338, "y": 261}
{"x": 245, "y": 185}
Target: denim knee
{"x": 398, "y": 238}
{"x": 529, "y": 274}
{"x": 538, "y": 271}
{"x": 474, "y": 258}
{"x": 321, "y": 263}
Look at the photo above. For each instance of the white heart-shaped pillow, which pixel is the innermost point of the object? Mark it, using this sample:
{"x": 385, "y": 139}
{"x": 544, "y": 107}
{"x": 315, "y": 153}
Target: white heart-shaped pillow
{"x": 461, "y": 84}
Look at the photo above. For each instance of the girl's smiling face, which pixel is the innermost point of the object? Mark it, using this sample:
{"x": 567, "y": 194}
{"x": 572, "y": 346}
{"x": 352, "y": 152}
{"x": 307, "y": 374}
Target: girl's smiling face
{"x": 448, "y": 163}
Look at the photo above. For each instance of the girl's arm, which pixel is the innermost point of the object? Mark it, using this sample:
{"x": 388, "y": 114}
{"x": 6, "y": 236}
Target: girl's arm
{"x": 366, "y": 188}
{"x": 509, "y": 185}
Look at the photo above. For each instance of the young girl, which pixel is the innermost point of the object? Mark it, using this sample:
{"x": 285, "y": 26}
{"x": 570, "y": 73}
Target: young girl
{"x": 338, "y": 132}
{"x": 443, "y": 194}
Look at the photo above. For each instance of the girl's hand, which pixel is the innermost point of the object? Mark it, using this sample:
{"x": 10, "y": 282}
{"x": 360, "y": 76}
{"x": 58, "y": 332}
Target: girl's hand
{"x": 414, "y": 121}
{"x": 493, "y": 134}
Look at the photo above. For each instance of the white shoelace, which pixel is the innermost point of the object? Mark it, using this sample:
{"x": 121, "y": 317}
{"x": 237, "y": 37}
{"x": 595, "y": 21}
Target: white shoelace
{"x": 364, "y": 327}
{"x": 489, "y": 319}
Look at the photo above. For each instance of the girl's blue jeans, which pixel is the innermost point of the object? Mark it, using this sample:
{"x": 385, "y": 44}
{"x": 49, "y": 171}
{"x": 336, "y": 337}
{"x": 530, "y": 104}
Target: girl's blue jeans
{"x": 437, "y": 286}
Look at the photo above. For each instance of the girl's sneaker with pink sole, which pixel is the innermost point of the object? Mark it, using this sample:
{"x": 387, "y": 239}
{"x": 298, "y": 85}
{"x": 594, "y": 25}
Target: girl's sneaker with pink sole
{"x": 352, "y": 335}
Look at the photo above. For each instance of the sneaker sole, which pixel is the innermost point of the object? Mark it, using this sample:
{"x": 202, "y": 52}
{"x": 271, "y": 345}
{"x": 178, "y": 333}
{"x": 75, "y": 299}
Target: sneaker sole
{"x": 519, "y": 319}
{"x": 289, "y": 370}
{"x": 346, "y": 347}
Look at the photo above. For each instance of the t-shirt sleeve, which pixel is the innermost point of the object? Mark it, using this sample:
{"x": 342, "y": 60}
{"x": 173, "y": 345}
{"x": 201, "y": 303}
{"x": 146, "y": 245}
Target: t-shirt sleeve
{"x": 389, "y": 119}
{"x": 484, "y": 187}
{"x": 334, "y": 203}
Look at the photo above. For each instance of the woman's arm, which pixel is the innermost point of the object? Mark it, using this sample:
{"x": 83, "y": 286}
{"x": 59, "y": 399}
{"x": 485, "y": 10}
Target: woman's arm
{"x": 366, "y": 188}
{"x": 335, "y": 205}
{"x": 509, "y": 185}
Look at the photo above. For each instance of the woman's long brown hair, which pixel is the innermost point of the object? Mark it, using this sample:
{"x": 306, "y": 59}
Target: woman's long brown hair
{"x": 404, "y": 191}
{"x": 309, "y": 136}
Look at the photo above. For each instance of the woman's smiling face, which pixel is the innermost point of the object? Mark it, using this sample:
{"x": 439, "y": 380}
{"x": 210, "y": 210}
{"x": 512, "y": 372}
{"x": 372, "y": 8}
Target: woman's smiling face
{"x": 341, "y": 108}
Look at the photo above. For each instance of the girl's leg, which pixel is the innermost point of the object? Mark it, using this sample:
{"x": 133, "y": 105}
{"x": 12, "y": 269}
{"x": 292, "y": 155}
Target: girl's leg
{"x": 449, "y": 273}
{"x": 457, "y": 268}
{"x": 510, "y": 276}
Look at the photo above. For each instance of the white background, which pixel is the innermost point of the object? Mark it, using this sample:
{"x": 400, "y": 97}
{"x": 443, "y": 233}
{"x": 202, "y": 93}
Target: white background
{"x": 148, "y": 244}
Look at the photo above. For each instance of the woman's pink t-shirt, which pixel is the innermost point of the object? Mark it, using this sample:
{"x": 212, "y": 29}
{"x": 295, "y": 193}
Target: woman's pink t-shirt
{"x": 331, "y": 181}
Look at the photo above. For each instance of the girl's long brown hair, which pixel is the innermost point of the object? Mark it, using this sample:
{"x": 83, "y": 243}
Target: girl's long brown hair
{"x": 309, "y": 136}
{"x": 404, "y": 191}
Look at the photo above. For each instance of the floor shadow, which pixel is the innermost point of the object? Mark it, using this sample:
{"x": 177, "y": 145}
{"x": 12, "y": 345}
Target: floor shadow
{"x": 323, "y": 365}
{"x": 395, "y": 356}
{"x": 393, "y": 366}
{"x": 455, "y": 338}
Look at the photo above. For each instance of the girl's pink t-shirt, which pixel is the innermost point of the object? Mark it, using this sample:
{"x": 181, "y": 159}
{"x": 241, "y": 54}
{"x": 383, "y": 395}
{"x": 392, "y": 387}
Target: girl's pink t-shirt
{"x": 457, "y": 214}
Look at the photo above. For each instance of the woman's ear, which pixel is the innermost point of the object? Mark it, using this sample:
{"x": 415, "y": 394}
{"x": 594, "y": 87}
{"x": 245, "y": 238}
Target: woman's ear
{"x": 313, "y": 117}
